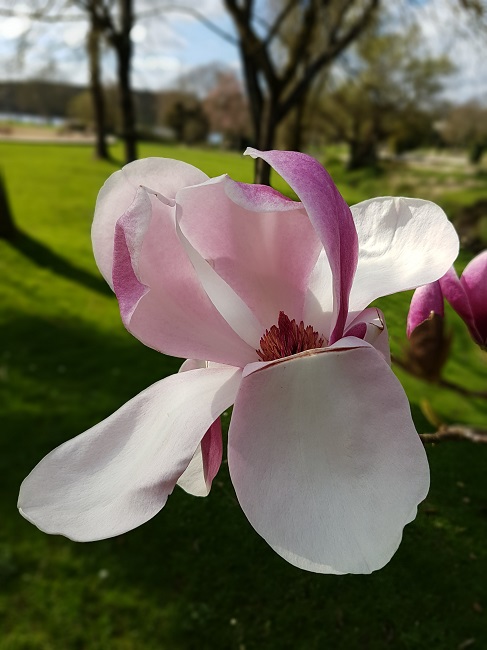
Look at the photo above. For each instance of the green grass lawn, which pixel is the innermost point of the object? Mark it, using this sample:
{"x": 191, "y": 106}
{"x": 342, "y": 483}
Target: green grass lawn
{"x": 197, "y": 576}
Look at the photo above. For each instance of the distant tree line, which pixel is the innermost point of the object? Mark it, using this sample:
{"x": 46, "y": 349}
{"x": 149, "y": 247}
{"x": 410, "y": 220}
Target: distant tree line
{"x": 51, "y": 99}
{"x": 288, "y": 50}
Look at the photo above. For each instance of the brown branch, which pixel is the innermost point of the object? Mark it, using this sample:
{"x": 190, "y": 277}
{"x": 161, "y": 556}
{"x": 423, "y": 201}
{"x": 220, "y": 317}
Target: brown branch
{"x": 209, "y": 24}
{"x": 280, "y": 18}
{"x": 54, "y": 18}
{"x": 251, "y": 45}
{"x": 341, "y": 11}
{"x": 455, "y": 432}
{"x": 301, "y": 45}
{"x": 326, "y": 57}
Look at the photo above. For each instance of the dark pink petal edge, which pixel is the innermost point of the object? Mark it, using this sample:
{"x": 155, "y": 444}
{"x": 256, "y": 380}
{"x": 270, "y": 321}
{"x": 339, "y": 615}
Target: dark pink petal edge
{"x": 456, "y": 295}
{"x": 426, "y": 300}
{"x": 331, "y": 217}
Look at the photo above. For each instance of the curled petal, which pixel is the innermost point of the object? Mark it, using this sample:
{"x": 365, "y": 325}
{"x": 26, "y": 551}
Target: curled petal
{"x": 325, "y": 459}
{"x": 399, "y": 250}
{"x": 198, "y": 476}
{"x": 258, "y": 241}
{"x": 474, "y": 281}
{"x": 161, "y": 298}
{"x": 454, "y": 291}
{"x": 119, "y": 474}
{"x": 426, "y": 300}
{"x": 370, "y": 326}
{"x": 164, "y": 175}
{"x": 331, "y": 218}
{"x": 229, "y": 304}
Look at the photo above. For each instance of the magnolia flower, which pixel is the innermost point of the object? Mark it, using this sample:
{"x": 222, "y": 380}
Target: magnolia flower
{"x": 268, "y": 300}
{"x": 467, "y": 296}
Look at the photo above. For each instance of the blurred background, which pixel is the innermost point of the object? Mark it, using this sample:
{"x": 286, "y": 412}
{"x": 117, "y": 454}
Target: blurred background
{"x": 392, "y": 98}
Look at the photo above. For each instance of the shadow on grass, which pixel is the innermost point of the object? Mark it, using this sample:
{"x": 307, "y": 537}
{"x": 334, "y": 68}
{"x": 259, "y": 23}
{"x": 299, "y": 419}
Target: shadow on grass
{"x": 197, "y": 576}
{"x": 43, "y": 256}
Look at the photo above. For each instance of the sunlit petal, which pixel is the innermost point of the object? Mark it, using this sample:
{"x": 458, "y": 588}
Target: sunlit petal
{"x": 119, "y": 474}
{"x": 404, "y": 243}
{"x": 161, "y": 174}
{"x": 325, "y": 459}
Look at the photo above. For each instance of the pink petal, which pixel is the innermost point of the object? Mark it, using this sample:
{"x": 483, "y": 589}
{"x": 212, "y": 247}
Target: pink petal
{"x": 258, "y": 241}
{"x": 119, "y": 474}
{"x": 162, "y": 174}
{"x": 330, "y": 217}
{"x": 162, "y": 301}
{"x": 325, "y": 459}
{"x": 425, "y": 301}
{"x": 228, "y": 303}
{"x": 198, "y": 476}
{"x": 474, "y": 281}
{"x": 454, "y": 291}
{"x": 403, "y": 243}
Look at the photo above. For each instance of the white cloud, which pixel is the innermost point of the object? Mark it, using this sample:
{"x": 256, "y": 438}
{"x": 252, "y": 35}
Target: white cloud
{"x": 13, "y": 27}
{"x": 154, "y": 63}
{"x": 138, "y": 33}
{"x": 75, "y": 35}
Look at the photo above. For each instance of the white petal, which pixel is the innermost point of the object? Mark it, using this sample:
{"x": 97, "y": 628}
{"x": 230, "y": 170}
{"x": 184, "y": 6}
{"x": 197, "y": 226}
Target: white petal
{"x": 374, "y": 324}
{"x": 196, "y": 478}
{"x": 318, "y": 304}
{"x": 163, "y": 175}
{"x": 118, "y": 475}
{"x": 325, "y": 459}
{"x": 403, "y": 243}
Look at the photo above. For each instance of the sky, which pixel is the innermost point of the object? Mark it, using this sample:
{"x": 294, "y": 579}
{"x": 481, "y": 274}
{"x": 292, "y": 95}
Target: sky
{"x": 170, "y": 44}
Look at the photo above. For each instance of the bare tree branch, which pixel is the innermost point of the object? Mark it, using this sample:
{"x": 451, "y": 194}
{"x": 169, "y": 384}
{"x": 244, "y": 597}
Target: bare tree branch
{"x": 298, "y": 53}
{"x": 327, "y": 56}
{"x": 251, "y": 45}
{"x": 274, "y": 29}
{"x": 196, "y": 14}
{"x": 43, "y": 14}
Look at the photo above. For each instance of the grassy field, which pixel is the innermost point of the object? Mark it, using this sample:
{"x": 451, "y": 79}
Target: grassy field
{"x": 197, "y": 576}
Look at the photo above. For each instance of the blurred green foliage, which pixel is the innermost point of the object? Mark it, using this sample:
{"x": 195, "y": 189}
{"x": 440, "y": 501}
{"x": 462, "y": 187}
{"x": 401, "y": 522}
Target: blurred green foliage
{"x": 197, "y": 576}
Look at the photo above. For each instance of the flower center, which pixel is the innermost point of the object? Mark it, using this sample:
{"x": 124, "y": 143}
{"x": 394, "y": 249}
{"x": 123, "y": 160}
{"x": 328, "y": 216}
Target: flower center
{"x": 288, "y": 338}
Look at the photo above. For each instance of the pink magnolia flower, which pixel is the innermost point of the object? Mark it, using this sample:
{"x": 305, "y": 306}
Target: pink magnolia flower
{"x": 467, "y": 296}
{"x": 268, "y": 299}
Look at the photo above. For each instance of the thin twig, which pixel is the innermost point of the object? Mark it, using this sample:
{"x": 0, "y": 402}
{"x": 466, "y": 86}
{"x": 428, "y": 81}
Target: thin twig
{"x": 182, "y": 9}
{"x": 455, "y": 432}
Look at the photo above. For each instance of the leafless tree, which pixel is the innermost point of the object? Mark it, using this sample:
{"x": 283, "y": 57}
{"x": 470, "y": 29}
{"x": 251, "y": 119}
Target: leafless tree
{"x": 114, "y": 20}
{"x": 111, "y": 20}
{"x": 279, "y": 74}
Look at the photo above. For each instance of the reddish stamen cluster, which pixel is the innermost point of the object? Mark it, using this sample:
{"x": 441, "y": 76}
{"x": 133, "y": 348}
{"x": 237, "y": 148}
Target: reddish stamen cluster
{"x": 288, "y": 338}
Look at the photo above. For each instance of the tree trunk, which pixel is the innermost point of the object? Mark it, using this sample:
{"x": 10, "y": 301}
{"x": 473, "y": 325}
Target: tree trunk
{"x": 7, "y": 226}
{"x": 101, "y": 149}
{"x": 266, "y": 138}
{"x": 123, "y": 48}
{"x": 476, "y": 152}
{"x": 363, "y": 153}
{"x": 294, "y": 128}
